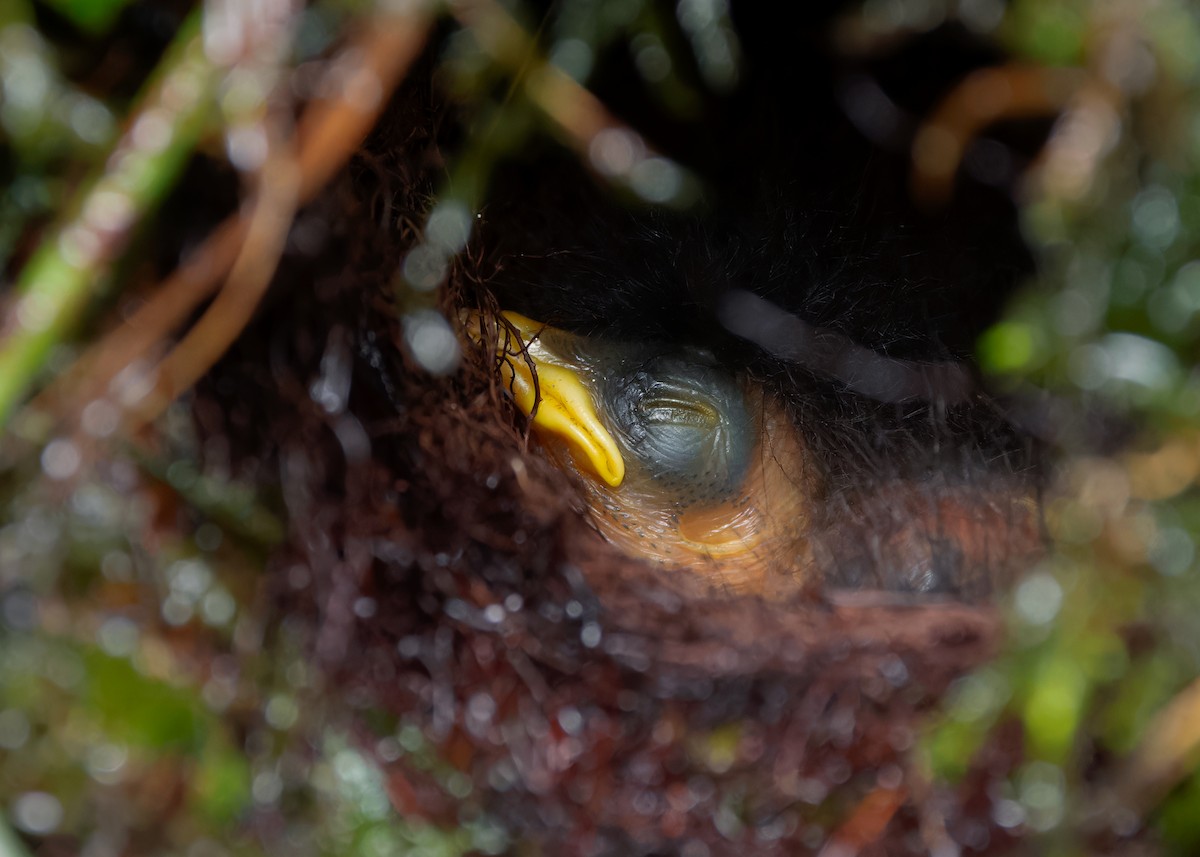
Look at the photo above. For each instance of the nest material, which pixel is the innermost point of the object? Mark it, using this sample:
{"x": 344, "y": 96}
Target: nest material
{"x": 594, "y": 704}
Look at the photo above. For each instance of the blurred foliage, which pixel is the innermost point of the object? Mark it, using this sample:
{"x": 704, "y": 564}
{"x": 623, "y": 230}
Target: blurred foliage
{"x": 1104, "y": 634}
{"x": 45, "y": 119}
{"x": 93, "y": 16}
{"x": 146, "y": 705}
{"x": 149, "y": 700}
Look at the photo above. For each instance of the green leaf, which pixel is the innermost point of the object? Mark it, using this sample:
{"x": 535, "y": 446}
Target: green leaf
{"x": 1055, "y": 705}
{"x": 139, "y": 710}
{"x": 1049, "y": 31}
{"x": 92, "y": 16}
{"x": 221, "y": 783}
{"x": 1178, "y": 821}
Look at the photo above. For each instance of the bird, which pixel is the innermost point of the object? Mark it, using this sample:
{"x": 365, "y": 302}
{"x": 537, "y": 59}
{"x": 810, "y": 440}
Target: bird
{"x": 709, "y": 428}
{"x": 765, "y": 403}
{"x": 679, "y": 461}
{"x": 775, "y": 388}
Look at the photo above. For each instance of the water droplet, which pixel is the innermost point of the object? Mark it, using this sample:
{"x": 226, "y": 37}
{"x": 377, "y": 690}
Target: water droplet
{"x": 61, "y": 459}
{"x": 37, "y": 812}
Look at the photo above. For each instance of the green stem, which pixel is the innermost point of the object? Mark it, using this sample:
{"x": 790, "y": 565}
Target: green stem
{"x": 10, "y": 845}
{"x": 72, "y": 261}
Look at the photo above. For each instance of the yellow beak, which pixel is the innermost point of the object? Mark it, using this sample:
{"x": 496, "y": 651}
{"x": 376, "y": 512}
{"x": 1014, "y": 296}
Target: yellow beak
{"x": 559, "y": 404}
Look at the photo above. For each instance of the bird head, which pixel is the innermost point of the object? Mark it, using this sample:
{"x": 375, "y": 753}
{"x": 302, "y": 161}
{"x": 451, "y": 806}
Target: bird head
{"x": 698, "y": 468}
{"x": 679, "y": 460}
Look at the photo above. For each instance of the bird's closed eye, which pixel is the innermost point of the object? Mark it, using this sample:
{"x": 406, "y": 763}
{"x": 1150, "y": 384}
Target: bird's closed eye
{"x": 682, "y": 463}
{"x": 682, "y": 422}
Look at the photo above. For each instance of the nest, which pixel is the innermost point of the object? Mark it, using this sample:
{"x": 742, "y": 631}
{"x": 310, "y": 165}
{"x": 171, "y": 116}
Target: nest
{"x": 455, "y": 591}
